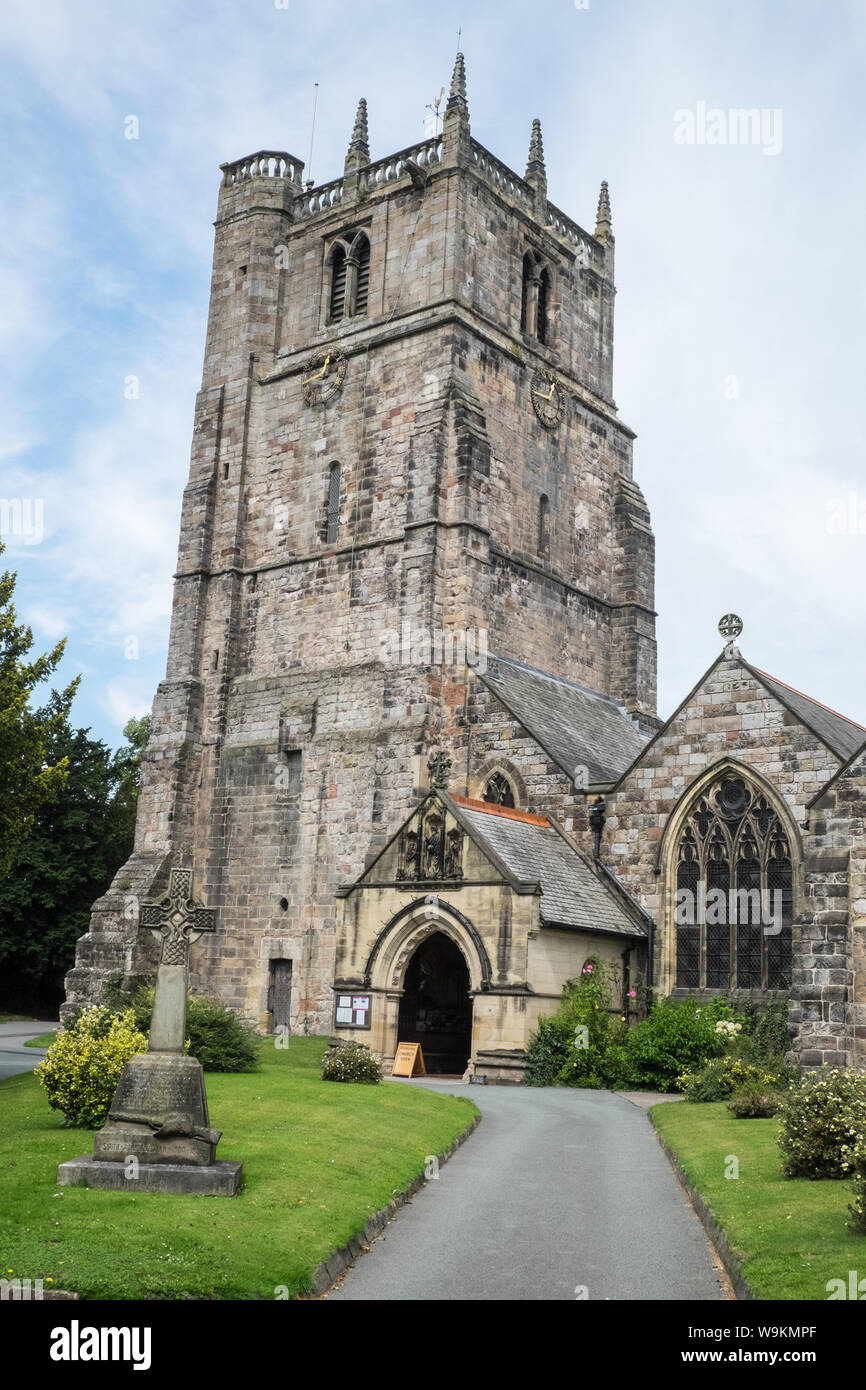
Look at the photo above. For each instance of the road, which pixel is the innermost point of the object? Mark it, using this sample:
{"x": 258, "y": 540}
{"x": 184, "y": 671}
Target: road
{"x": 558, "y": 1195}
{"x": 14, "y": 1056}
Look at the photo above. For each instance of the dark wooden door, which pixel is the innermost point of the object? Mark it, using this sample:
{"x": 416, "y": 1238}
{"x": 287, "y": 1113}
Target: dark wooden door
{"x": 281, "y": 995}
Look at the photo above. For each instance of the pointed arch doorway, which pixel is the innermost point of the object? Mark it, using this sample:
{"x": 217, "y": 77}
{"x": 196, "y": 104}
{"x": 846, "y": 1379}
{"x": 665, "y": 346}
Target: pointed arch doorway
{"x": 436, "y": 1007}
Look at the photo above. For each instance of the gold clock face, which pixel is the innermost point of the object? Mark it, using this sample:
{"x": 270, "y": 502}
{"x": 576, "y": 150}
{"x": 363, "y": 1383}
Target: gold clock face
{"x": 548, "y": 399}
{"x": 324, "y": 375}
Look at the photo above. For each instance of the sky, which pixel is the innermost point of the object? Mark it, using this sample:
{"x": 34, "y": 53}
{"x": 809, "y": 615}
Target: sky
{"x": 740, "y": 296}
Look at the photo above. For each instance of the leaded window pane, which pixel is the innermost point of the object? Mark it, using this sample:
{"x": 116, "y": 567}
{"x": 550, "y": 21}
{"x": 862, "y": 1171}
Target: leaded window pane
{"x": 734, "y": 846}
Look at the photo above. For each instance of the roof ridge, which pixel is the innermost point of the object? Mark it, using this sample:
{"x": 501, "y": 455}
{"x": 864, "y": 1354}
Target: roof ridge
{"x": 509, "y": 812}
{"x": 811, "y": 699}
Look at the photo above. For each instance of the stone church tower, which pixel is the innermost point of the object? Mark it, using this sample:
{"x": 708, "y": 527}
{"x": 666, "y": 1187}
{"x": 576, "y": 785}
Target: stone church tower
{"x": 406, "y": 455}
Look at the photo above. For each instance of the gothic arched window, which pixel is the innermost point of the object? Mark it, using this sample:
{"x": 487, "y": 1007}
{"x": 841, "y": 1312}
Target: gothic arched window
{"x": 338, "y": 282}
{"x": 734, "y": 892}
{"x": 498, "y": 790}
{"x": 333, "y": 522}
{"x": 543, "y": 525}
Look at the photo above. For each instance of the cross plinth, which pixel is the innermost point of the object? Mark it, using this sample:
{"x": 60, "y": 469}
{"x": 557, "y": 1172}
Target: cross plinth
{"x": 178, "y": 920}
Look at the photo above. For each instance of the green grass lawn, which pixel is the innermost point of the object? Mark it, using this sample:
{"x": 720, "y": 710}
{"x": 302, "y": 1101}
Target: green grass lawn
{"x": 319, "y": 1159}
{"x": 44, "y": 1040}
{"x": 789, "y": 1233}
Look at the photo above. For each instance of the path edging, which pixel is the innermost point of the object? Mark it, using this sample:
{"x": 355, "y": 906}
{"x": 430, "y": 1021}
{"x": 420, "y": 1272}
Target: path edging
{"x": 718, "y": 1239}
{"x": 326, "y": 1274}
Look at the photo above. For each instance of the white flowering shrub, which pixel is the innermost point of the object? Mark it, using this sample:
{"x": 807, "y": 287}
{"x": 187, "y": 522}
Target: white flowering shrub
{"x": 727, "y": 1028}
{"x": 854, "y": 1164}
{"x": 822, "y": 1121}
{"x": 351, "y": 1061}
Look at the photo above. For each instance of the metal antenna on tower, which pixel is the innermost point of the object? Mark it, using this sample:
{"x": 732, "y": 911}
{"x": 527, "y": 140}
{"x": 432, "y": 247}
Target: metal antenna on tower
{"x": 312, "y": 133}
{"x": 434, "y": 107}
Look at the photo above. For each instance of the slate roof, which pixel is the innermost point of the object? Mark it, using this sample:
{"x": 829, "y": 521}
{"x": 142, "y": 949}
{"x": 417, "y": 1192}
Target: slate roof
{"x": 532, "y": 850}
{"x": 842, "y": 735}
{"x": 576, "y": 727}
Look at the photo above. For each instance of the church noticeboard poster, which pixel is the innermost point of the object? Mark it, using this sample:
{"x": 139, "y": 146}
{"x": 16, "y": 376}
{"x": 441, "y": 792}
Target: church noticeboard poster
{"x": 409, "y": 1060}
{"x": 353, "y": 1011}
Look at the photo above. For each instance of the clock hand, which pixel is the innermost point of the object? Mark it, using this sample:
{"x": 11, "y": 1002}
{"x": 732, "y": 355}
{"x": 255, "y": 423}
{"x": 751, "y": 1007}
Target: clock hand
{"x": 320, "y": 373}
{"x": 546, "y": 397}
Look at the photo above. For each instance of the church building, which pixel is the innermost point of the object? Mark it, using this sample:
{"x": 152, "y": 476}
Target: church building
{"x": 407, "y": 743}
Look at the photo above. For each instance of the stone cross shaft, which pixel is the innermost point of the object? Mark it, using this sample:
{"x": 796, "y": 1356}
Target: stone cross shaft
{"x": 179, "y": 921}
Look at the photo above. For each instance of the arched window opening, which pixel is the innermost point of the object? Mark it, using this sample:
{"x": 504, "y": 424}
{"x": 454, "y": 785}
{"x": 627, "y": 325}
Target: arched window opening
{"x": 338, "y": 282}
{"x": 363, "y": 282}
{"x": 541, "y": 309}
{"x": 734, "y": 898}
{"x": 333, "y": 523}
{"x": 499, "y": 791}
{"x": 543, "y": 525}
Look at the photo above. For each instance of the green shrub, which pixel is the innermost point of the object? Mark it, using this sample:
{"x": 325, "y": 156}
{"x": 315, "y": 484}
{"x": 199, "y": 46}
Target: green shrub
{"x": 821, "y": 1120}
{"x": 772, "y": 1039}
{"x": 351, "y": 1061}
{"x": 581, "y": 1045}
{"x": 724, "y": 1076}
{"x": 218, "y": 1036}
{"x": 754, "y": 1102}
{"x": 677, "y": 1035}
{"x": 548, "y": 1051}
{"x": 80, "y": 1071}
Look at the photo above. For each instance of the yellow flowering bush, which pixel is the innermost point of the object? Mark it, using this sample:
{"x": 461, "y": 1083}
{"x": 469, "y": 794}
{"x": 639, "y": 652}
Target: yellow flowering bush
{"x": 724, "y": 1076}
{"x": 81, "y": 1069}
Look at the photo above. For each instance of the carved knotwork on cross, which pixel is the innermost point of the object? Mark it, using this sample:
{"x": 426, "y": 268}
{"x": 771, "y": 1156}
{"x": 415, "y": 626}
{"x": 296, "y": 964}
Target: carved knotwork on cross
{"x": 439, "y": 767}
{"x": 177, "y": 918}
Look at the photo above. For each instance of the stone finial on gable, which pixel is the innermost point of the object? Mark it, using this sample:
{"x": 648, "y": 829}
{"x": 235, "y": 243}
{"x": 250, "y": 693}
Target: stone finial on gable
{"x": 358, "y": 154}
{"x": 455, "y": 126}
{"x": 730, "y": 627}
{"x": 603, "y": 220}
{"x": 536, "y": 174}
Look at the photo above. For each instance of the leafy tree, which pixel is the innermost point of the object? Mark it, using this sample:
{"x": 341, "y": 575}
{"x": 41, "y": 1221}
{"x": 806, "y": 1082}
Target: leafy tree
{"x": 127, "y": 766}
{"x": 30, "y": 777}
{"x": 77, "y": 844}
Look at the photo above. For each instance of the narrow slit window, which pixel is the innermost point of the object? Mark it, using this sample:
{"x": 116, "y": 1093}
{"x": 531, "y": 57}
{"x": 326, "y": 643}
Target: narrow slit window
{"x": 543, "y": 525}
{"x": 333, "y": 523}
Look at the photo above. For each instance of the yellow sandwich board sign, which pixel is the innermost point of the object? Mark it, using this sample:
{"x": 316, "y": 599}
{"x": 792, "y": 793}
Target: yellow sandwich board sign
{"x": 409, "y": 1060}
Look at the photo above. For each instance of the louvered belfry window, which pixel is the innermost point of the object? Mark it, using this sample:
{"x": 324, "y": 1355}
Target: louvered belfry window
{"x": 333, "y": 526}
{"x": 524, "y": 294}
{"x": 734, "y": 883}
{"x": 541, "y": 313}
{"x": 338, "y": 282}
{"x": 362, "y": 292}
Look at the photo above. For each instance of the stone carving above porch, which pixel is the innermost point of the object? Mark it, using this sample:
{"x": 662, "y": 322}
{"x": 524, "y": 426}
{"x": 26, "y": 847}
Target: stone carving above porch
{"x": 430, "y": 850}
